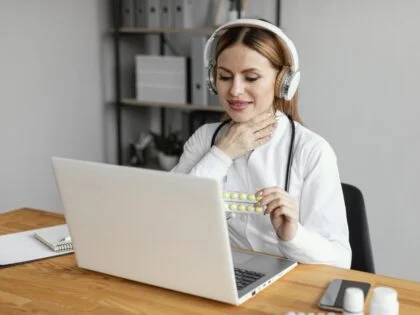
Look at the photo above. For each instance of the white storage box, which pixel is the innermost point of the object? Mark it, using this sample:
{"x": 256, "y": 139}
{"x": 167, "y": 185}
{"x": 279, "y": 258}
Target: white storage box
{"x": 161, "y": 79}
{"x": 160, "y": 93}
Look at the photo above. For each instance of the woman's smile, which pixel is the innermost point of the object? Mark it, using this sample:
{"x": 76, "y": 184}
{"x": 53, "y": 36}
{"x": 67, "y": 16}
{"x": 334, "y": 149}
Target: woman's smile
{"x": 238, "y": 105}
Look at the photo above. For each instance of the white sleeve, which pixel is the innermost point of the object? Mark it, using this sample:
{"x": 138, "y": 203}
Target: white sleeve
{"x": 200, "y": 160}
{"x": 322, "y": 235}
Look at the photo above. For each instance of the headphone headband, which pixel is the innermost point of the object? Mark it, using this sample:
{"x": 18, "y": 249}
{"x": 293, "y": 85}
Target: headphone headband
{"x": 253, "y": 23}
{"x": 289, "y": 81}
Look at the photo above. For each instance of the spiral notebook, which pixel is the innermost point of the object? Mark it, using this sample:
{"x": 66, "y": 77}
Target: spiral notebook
{"x": 56, "y": 238}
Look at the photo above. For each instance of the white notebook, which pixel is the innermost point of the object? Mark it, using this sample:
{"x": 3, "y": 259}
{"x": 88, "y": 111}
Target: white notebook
{"x": 55, "y": 237}
{"x": 23, "y": 247}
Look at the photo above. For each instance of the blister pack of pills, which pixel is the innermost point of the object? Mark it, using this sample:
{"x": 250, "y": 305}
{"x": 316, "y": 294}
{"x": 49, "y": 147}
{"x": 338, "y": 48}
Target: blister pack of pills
{"x": 242, "y": 202}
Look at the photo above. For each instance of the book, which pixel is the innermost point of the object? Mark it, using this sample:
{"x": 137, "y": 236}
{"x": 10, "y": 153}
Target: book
{"x": 56, "y": 238}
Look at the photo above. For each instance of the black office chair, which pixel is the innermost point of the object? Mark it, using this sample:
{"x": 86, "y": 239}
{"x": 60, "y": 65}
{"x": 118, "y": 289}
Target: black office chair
{"x": 362, "y": 258}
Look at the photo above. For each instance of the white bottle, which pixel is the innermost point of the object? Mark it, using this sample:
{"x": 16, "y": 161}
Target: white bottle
{"x": 384, "y": 302}
{"x": 354, "y": 301}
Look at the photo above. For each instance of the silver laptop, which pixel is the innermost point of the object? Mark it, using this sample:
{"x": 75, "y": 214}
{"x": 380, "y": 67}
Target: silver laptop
{"x": 159, "y": 228}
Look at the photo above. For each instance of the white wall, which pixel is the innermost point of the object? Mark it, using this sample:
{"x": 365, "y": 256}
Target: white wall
{"x": 360, "y": 63}
{"x": 51, "y": 95}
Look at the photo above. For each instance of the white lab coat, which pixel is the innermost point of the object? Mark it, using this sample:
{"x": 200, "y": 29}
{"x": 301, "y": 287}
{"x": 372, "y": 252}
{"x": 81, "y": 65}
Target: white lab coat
{"x": 322, "y": 235}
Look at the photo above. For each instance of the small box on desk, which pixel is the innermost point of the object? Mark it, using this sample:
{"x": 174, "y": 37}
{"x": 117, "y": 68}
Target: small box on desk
{"x": 161, "y": 79}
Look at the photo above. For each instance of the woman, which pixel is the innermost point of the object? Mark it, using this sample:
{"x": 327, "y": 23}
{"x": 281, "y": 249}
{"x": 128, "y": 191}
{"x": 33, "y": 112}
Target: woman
{"x": 305, "y": 221}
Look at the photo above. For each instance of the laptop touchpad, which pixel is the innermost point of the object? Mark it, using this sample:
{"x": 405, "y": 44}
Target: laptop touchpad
{"x": 241, "y": 258}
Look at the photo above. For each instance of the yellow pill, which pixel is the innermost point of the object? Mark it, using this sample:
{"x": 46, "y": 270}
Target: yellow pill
{"x": 226, "y": 206}
{"x": 258, "y": 209}
{"x": 250, "y": 208}
{"x": 241, "y": 208}
{"x": 251, "y": 197}
{"x": 225, "y": 195}
{"x": 259, "y": 198}
{"x": 242, "y": 196}
{"x": 233, "y": 195}
{"x": 232, "y": 206}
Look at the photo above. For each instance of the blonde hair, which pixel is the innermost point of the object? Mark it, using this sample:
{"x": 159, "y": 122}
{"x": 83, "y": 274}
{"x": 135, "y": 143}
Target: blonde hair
{"x": 270, "y": 46}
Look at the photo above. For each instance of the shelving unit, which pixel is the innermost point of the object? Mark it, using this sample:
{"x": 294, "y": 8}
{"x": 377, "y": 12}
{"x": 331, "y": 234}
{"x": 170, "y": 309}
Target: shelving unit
{"x": 121, "y": 103}
{"x": 133, "y": 30}
{"x": 187, "y": 107}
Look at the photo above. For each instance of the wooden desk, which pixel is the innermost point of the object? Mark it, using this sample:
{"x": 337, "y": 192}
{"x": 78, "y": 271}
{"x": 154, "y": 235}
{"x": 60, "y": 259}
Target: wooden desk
{"x": 58, "y": 286}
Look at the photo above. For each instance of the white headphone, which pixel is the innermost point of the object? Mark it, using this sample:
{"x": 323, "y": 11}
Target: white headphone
{"x": 289, "y": 77}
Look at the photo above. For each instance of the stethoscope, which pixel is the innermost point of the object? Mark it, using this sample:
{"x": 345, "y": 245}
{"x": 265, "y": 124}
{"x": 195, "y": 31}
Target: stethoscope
{"x": 290, "y": 157}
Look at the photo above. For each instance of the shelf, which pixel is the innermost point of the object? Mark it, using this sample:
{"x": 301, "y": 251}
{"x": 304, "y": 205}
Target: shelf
{"x": 136, "y": 30}
{"x": 134, "y": 102}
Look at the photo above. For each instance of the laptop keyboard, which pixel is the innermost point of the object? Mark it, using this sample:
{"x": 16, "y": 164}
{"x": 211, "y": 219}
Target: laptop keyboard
{"x": 246, "y": 277}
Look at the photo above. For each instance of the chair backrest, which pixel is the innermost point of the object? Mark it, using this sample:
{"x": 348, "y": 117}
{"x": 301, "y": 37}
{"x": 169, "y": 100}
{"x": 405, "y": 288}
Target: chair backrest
{"x": 362, "y": 258}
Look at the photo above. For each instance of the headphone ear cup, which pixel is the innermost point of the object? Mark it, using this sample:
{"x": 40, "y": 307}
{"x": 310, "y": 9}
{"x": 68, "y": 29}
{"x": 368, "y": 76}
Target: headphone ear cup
{"x": 211, "y": 80}
{"x": 287, "y": 82}
{"x": 279, "y": 85}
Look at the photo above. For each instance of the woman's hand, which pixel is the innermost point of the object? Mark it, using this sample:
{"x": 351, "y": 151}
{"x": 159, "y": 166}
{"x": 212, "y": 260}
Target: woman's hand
{"x": 244, "y": 137}
{"x": 283, "y": 210}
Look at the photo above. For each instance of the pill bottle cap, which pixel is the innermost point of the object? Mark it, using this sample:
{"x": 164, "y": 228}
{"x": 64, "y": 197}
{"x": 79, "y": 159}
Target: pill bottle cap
{"x": 353, "y": 300}
{"x": 384, "y": 295}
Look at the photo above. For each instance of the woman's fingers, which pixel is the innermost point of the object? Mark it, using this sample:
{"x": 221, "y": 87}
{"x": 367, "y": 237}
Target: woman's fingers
{"x": 277, "y": 200}
{"x": 265, "y": 132}
{"x": 269, "y": 190}
{"x": 277, "y": 203}
{"x": 289, "y": 213}
{"x": 259, "y": 142}
{"x": 261, "y": 119}
{"x": 244, "y": 137}
{"x": 269, "y": 194}
{"x": 267, "y": 123}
